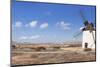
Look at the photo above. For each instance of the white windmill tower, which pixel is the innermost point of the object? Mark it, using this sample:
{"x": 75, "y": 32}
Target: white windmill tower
{"x": 88, "y": 36}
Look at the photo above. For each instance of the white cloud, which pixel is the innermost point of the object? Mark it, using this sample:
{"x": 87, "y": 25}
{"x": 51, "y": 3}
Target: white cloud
{"x": 29, "y": 37}
{"x": 18, "y": 24}
{"x": 34, "y": 37}
{"x": 23, "y": 37}
{"x": 32, "y": 24}
{"x": 63, "y": 25}
{"x": 44, "y": 25}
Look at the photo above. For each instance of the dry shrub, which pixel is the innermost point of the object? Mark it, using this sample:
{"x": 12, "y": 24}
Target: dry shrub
{"x": 13, "y": 46}
{"x": 40, "y": 48}
{"x": 87, "y": 49}
{"x": 75, "y": 45}
{"x": 56, "y": 47}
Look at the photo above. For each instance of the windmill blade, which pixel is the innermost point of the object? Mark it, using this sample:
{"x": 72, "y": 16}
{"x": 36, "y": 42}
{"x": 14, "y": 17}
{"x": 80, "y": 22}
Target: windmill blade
{"x": 77, "y": 34}
{"x": 82, "y": 15}
{"x": 85, "y": 21}
{"x": 94, "y": 23}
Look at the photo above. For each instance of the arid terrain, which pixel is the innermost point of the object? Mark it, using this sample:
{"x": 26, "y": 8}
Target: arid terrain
{"x": 44, "y": 54}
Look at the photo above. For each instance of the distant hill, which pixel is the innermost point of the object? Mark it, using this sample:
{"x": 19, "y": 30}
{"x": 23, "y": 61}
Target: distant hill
{"x": 61, "y": 43}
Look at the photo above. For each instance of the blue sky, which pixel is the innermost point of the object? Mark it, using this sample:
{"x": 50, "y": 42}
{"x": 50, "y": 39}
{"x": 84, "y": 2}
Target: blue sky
{"x": 43, "y": 23}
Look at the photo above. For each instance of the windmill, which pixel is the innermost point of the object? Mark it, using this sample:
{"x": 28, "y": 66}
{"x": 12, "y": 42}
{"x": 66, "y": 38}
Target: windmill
{"x": 88, "y": 33}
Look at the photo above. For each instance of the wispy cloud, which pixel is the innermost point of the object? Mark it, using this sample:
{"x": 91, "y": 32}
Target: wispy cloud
{"x": 63, "y": 25}
{"x": 18, "y": 24}
{"x": 23, "y": 37}
{"x": 29, "y": 37}
{"x": 44, "y": 25}
{"x": 34, "y": 37}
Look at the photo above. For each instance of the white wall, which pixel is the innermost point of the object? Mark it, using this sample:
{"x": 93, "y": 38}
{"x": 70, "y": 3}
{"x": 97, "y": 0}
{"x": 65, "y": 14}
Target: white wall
{"x": 88, "y": 37}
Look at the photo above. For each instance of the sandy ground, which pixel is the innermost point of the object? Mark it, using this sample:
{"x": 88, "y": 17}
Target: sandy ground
{"x": 62, "y": 55}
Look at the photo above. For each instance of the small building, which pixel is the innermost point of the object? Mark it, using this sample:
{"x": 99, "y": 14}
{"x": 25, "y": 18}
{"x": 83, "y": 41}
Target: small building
{"x": 88, "y": 39}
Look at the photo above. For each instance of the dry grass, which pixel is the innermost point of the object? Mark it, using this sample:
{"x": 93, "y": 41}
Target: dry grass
{"x": 60, "y": 55}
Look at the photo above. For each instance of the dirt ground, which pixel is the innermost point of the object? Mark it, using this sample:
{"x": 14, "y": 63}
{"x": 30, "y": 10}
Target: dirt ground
{"x": 51, "y": 55}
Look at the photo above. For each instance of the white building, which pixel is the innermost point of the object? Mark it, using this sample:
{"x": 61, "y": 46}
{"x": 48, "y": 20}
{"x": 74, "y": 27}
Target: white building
{"x": 88, "y": 39}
